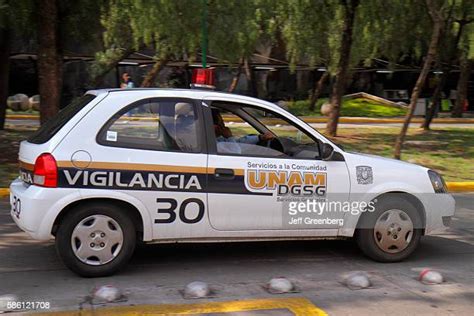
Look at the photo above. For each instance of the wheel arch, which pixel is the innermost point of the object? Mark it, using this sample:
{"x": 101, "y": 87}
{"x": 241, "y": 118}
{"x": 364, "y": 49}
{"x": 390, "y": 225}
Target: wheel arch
{"x": 415, "y": 201}
{"x": 134, "y": 213}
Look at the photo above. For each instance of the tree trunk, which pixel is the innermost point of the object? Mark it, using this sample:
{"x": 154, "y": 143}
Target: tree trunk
{"x": 150, "y": 77}
{"x": 250, "y": 78}
{"x": 432, "y": 50}
{"x": 462, "y": 87}
{"x": 436, "y": 99}
{"x": 4, "y": 72}
{"x": 349, "y": 8}
{"x": 435, "y": 102}
{"x": 235, "y": 80}
{"x": 97, "y": 80}
{"x": 318, "y": 88}
{"x": 49, "y": 59}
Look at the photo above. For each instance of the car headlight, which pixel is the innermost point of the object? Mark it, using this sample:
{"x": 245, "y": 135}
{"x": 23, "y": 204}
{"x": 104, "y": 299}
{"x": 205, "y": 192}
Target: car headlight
{"x": 437, "y": 182}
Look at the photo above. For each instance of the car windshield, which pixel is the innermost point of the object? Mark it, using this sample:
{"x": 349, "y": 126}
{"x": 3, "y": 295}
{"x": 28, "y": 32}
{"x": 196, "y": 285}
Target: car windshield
{"x": 51, "y": 127}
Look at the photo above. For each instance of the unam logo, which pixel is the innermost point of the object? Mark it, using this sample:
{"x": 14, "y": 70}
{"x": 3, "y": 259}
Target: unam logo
{"x": 287, "y": 183}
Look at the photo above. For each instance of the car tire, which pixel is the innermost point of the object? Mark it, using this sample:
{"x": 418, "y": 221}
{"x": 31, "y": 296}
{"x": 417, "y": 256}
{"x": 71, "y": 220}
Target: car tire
{"x": 96, "y": 239}
{"x": 380, "y": 241}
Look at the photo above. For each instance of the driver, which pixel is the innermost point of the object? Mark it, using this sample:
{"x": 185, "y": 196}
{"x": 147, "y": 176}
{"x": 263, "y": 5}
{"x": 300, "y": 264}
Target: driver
{"x": 227, "y": 143}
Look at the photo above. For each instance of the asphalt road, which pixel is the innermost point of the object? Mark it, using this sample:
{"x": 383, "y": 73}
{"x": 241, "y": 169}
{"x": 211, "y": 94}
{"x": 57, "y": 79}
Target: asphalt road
{"x": 32, "y": 271}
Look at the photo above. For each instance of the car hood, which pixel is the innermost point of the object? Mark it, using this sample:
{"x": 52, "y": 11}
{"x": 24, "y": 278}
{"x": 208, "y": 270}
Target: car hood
{"x": 385, "y": 160}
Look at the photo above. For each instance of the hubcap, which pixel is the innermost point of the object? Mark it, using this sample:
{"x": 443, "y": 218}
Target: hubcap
{"x": 97, "y": 239}
{"x": 393, "y": 231}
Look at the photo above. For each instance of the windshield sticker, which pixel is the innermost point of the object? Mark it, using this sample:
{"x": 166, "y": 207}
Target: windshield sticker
{"x": 111, "y": 136}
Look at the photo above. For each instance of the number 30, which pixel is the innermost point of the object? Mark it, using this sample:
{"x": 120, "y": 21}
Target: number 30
{"x": 182, "y": 211}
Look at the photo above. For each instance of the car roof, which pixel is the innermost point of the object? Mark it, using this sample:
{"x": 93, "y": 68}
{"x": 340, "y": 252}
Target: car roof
{"x": 186, "y": 93}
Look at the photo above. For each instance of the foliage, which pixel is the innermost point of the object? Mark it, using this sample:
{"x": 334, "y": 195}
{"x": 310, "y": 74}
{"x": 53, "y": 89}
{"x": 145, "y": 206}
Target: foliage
{"x": 307, "y": 28}
{"x": 17, "y": 15}
{"x": 236, "y": 27}
{"x": 170, "y": 27}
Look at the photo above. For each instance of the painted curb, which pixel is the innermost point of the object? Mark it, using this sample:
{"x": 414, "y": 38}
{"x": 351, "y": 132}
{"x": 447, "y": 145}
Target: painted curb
{"x": 452, "y": 187}
{"x": 369, "y": 120}
{"x": 460, "y": 186}
{"x": 297, "y": 306}
{"x": 22, "y": 117}
{"x": 312, "y": 119}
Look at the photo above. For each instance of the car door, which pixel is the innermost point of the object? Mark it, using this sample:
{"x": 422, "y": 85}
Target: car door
{"x": 253, "y": 185}
{"x": 154, "y": 151}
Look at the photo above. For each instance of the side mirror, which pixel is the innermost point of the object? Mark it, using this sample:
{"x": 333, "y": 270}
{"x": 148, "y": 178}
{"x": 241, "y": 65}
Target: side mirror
{"x": 327, "y": 151}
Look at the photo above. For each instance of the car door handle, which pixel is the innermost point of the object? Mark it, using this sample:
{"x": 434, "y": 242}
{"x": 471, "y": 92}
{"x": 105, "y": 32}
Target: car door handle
{"x": 224, "y": 174}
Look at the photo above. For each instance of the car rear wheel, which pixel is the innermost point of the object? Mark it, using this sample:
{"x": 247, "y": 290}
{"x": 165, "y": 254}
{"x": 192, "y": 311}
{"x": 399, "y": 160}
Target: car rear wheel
{"x": 392, "y": 232}
{"x": 96, "y": 239}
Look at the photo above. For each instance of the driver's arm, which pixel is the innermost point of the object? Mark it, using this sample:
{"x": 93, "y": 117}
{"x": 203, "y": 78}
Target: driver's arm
{"x": 254, "y": 139}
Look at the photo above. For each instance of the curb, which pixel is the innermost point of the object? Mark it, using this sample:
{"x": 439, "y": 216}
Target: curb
{"x": 363, "y": 120}
{"x": 452, "y": 187}
{"x": 312, "y": 119}
{"x": 22, "y": 117}
{"x": 298, "y": 306}
{"x": 460, "y": 186}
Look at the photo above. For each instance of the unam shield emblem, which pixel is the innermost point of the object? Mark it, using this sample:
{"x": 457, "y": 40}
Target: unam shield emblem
{"x": 364, "y": 175}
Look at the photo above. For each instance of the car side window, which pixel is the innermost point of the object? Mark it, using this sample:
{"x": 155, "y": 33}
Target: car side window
{"x": 166, "y": 125}
{"x": 247, "y": 131}
{"x": 234, "y": 135}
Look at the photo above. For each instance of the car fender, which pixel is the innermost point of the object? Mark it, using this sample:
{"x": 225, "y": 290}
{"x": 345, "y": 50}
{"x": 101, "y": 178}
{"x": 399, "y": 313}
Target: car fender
{"x": 350, "y": 220}
{"x": 60, "y": 205}
{"x": 124, "y": 197}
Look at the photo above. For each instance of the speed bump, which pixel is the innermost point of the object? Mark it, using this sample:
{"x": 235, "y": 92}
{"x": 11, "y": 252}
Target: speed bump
{"x": 291, "y": 306}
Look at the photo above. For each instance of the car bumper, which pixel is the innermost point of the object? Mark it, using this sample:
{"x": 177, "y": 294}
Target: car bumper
{"x": 439, "y": 209}
{"x": 34, "y": 208}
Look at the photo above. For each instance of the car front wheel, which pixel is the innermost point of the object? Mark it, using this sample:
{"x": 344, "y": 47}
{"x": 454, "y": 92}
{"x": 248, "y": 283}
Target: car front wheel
{"x": 392, "y": 232}
{"x": 96, "y": 239}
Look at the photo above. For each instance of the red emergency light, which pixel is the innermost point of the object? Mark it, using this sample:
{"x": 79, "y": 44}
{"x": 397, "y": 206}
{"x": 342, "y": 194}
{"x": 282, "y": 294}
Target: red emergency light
{"x": 203, "y": 78}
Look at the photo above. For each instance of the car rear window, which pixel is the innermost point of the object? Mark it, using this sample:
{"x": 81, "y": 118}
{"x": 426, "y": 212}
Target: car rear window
{"x": 51, "y": 127}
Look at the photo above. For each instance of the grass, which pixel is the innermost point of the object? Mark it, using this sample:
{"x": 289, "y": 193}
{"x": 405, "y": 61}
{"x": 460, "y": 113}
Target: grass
{"x": 449, "y": 151}
{"x": 26, "y": 112}
{"x": 9, "y": 146}
{"x": 353, "y": 107}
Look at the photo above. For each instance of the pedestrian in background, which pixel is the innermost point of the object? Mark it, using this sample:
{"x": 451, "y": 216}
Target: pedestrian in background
{"x": 126, "y": 81}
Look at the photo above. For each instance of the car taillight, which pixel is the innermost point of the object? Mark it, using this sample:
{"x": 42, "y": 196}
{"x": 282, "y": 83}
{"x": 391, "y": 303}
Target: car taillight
{"x": 45, "y": 173}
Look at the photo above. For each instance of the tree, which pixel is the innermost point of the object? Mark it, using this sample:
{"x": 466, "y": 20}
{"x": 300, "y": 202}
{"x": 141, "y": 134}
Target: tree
{"x": 4, "y": 72}
{"x": 117, "y": 39}
{"x": 459, "y": 16}
{"x": 466, "y": 57}
{"x": 462, "y": 86}
{"x": 436, "y": 12}
{"x": 252, "y": 25}
{"x": 169, "y": 27}
{"x": 307, "y": 29}
{"x": 318, "y": 88}
{"x": 349, "y": 8}
{"x": 236, "y": 78}
{"x": 50, "y": 59}
{"x": 14, "y": 16}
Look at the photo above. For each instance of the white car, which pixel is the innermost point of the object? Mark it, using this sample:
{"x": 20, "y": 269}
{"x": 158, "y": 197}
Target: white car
{"x": 117, "y": 167}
